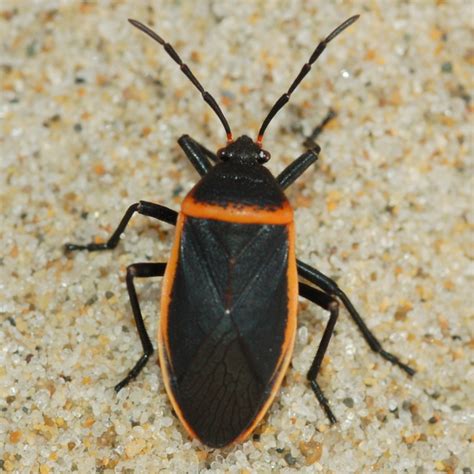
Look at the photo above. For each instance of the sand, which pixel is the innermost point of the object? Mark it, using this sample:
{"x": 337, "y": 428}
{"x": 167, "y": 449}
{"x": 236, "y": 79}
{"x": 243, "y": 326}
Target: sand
{"x": 90, "y": 111}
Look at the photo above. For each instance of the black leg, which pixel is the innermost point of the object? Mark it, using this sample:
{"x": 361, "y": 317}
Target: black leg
{"x": 330, "y": 287}
{"x": 310, "y": 141}
{"x": 329, "y": 304}
{"x": 295, "y": 169}
{"x": 197, "y": 154}
{"x": 140, "y": 270}
{"x": 145, "y": 208}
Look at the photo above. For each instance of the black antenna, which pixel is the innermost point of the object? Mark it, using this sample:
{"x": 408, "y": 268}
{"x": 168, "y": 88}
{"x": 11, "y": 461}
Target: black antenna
{"x": 187, "y": 72}
{"x": 305, "y": 69}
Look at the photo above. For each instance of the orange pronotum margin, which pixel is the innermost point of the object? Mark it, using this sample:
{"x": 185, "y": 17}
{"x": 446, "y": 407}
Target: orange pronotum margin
{"x": 237, "y": 213}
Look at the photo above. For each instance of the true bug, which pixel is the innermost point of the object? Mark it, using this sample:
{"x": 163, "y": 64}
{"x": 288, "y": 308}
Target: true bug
{"x": 230, "y": 289}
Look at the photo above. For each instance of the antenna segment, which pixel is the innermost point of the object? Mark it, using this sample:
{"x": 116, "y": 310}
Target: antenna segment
{"x": 187, "y": 72}
{"x": 305, "y": 69}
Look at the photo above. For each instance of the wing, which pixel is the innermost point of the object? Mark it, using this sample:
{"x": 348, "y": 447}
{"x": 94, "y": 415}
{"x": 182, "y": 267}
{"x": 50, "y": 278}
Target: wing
{"x": 227, "y": 318}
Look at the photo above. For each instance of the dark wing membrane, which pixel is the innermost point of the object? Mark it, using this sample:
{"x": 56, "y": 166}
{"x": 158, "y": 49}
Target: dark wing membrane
{"x": 226, "y": 323}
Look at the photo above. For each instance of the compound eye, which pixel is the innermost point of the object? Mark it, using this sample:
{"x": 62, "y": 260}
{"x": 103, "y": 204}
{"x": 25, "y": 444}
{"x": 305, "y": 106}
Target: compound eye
{"x": 222, "y": 154}
{"x": 263, "y": 156}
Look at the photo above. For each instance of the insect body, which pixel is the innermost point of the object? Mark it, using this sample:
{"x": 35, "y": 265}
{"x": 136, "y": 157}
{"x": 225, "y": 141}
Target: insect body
{"x": 228, "y": 310}
{"x": 230, "y": 290}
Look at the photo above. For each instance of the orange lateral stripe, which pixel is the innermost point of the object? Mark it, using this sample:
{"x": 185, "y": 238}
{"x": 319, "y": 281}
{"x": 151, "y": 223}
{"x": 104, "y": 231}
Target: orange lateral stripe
{"x": 238, "y": 214}
{"x": 163, "y": 343}
{"x": 290, "y": 333}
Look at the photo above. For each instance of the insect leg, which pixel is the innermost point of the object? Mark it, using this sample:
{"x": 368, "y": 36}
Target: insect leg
{"x": 145, "y": 208}
{"x": 140, "y": 270}
{"x": 197, "y": 154}
{"x": 310, "y": 141}
{"x": 329, "y": 304}
{"x": 330, "y": 286}
{"x": 295, "y": 169}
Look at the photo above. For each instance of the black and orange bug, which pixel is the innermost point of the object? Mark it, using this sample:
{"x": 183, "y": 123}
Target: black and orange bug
{"x": 230, "y": 289}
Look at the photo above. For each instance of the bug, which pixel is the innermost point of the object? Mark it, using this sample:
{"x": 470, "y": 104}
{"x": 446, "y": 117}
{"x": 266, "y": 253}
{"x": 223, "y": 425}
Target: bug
{"x": 231, "y": 285}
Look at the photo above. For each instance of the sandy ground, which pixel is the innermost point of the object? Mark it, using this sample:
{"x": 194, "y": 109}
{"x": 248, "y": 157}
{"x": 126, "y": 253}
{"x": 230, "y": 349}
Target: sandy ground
{"x": 90, "y": 111}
